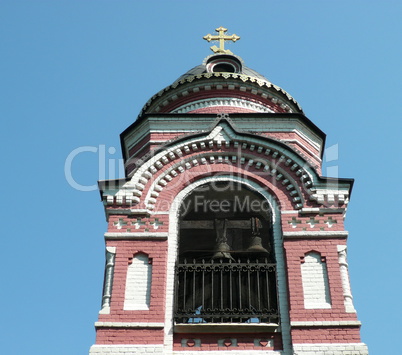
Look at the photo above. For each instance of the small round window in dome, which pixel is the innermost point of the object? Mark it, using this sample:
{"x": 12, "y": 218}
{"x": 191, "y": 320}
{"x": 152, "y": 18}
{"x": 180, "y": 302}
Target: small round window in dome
{"x": 223, "y": 67}
{"x": 223, "y": 64}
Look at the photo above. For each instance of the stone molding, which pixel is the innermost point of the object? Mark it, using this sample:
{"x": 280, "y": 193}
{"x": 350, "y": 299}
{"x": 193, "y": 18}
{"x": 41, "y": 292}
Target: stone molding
{"x": 136, "y": 235}
{"x": 335, "y": 323}
{"x": 328, "y": 348}
{"x": 128, "y": 325}
{"x": 316, "y": 234}
{"x": 317, "y": 210}
{"x": 134, "y": 212}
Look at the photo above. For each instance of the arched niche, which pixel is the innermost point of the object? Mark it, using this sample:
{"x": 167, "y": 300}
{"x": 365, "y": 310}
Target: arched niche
{"x": 226, "y": 211}
{"x": 315, "y": 281}
{"x": 138, "y": 283}
{"x": 225, "y": 266}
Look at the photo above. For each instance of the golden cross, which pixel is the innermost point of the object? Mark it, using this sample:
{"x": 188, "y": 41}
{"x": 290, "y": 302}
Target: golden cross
{"x": 221, "y": 38}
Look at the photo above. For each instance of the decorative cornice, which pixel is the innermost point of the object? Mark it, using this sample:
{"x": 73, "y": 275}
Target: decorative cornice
{"x": 267, "y": 89}
{"x": 250, "y": 152}
{"x": 221, "y": 101}
{"x": 274, "y": 159}
{"x": 328, "y": 348}
{"x": 316, "y": 234}
{"x": 317, "y": 210}
{"x": 255, "y": 123}
{"x": 128, "y": 325}
{"x": 143, "y": 235}
{"x": 133, "y": 212}
{"x": 339, "y": 323}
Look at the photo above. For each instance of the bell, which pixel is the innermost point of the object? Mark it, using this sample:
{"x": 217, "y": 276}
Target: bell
{"x": 256, "y": 245}
{"x": 222, "y": 248}
{"x": 222, "y": 251}
{"x": 255, "y": 240}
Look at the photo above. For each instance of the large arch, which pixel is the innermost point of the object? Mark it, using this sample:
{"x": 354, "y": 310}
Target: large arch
{"x": 271, "y": 175}
{"x": 277, "y": 244}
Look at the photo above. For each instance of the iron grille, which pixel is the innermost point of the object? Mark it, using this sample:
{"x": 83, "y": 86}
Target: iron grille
{"x": 225, "y": 290}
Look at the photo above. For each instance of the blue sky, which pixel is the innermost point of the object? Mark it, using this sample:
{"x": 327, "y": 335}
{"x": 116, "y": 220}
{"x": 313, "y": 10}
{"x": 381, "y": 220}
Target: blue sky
{"x": 76, "y": 74}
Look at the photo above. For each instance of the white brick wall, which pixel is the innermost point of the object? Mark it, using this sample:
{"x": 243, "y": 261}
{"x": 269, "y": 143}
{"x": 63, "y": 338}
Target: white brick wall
{"x": 138, "y": 284}
{"x": 231, "y": 352}
{"x": 315, "y": 282}
{"x": 125, "y": 349}
{"x": 331, "y": 349}
{"x": 299, "y": 349}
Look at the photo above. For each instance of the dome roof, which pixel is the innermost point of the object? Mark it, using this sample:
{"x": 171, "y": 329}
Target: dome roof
{"x": 214, "y": 58}
{"x": 221, "y": 84}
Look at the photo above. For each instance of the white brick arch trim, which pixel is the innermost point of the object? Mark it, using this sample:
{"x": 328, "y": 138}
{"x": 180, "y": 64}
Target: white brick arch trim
{"x": 267, "y": 170}
{"x": 155, "y": 163}
{"x": 278, "y": 247}
{"x": 222, "y": 101}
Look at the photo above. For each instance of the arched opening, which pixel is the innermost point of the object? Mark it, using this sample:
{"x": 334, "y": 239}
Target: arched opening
{"x": 223, "y": 67}
{"x": 225, "y": 268}
{"x": 223, "y": 63}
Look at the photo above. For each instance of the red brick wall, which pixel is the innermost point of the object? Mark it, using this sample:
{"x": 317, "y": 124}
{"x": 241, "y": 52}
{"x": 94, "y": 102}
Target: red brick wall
{"x": 205, "y": 94}
{"x": 129, "y": 336}
{"x": 125, "y": 250}
{"x": 326, "y": 335}
{"x": 295, "y": 250}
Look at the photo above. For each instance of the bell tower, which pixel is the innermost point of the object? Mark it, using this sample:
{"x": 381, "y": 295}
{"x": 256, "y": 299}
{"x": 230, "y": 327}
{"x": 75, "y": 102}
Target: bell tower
{"x": 223, "y": 235}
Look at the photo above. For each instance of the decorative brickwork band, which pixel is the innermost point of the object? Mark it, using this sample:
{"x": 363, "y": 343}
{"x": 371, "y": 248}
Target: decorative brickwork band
{"x": 108, "y": 283}
{"x": 343, "y": 265}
